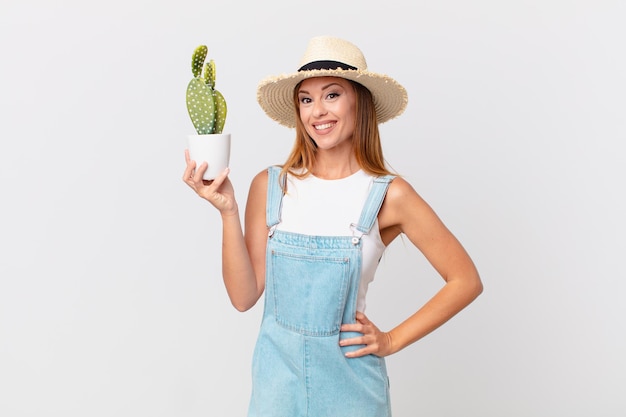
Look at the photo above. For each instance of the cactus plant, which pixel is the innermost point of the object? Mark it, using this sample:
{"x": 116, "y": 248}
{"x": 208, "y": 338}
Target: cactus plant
{"x": 206, "y": 105}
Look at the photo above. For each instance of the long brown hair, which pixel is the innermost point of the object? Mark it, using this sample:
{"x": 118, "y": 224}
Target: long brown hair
{"x": 366, "y": 139}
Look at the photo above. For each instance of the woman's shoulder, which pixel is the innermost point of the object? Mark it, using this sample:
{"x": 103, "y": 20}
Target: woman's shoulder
{"x": 399, "y": 189}
{"x": 259, "y": 181}
{"x": 402, "y": 197}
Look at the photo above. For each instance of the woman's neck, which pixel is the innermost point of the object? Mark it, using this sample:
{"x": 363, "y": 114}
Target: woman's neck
{"x": 333, "y": 168}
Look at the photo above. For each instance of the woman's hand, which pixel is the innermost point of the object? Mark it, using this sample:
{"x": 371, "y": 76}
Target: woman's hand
{"x": 219, "y": 192}
{"x": 376, "y": 342}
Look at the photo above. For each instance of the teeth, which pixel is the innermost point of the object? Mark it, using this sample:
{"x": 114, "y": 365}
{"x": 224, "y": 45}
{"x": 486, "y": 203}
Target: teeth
{"x": 324, "y": 126}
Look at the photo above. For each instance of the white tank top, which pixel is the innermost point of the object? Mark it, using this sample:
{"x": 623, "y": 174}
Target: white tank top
{"x": 318, "y": 207}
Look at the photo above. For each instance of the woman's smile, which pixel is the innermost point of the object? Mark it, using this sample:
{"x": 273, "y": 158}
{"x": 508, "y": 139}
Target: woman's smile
{"x": 323, "y": 126}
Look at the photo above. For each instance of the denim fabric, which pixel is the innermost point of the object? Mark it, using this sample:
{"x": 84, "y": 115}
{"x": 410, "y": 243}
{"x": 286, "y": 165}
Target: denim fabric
{"x": 299, "y": 369}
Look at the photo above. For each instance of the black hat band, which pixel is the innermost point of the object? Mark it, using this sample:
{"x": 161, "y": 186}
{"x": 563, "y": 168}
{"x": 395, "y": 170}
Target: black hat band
{"x": 326, "y": 65}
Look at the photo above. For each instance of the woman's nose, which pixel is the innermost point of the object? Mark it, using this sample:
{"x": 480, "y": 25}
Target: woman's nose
{"x": 319, "y": 109}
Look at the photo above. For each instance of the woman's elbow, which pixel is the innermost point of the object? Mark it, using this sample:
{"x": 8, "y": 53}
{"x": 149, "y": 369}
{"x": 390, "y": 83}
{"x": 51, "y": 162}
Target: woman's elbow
{"x": 243, "y": 304}
{"x": 477, "y": 286}
{"x": 242, "y": 307}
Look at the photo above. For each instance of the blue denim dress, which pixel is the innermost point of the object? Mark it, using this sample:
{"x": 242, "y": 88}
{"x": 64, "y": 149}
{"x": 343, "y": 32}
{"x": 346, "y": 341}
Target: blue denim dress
{"x": 298, "y": 367}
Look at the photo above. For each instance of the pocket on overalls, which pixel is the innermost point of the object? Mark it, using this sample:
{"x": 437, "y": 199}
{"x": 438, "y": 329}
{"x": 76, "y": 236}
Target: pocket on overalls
{"x": 310, "y": 292}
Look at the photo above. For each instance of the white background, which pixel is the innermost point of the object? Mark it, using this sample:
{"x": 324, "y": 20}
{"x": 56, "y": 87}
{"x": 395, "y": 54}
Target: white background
{"x": 111, "y": 300}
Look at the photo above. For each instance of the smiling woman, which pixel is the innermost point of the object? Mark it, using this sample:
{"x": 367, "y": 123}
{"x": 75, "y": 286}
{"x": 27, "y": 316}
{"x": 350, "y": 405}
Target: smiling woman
{"x": 316, "y": 228}
{"x": 327, "y": 107}
{"x": 109, "y": 302}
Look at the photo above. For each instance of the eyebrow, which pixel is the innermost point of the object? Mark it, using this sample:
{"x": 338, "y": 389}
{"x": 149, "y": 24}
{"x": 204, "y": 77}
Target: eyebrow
{"x": 323, "y": 88}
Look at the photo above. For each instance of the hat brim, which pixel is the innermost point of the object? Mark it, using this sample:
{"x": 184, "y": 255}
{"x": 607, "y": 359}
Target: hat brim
{"x": 275, "y": 94}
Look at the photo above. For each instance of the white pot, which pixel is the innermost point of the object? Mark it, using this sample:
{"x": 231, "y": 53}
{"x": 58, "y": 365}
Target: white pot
{"x": 212, "y": 149}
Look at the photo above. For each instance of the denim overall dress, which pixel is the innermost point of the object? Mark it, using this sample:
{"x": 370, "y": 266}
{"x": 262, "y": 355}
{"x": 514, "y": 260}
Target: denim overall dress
{"x": 298, "y": 367}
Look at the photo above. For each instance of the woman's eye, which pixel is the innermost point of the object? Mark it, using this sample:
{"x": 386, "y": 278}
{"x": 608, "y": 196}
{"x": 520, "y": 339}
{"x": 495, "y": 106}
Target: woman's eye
{"x": 333, "y": 95}
{"x": 305, "y": 100}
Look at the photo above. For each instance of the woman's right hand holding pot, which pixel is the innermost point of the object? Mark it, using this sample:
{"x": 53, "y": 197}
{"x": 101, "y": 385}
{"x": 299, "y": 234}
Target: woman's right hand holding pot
{"x": 219, "y": 191}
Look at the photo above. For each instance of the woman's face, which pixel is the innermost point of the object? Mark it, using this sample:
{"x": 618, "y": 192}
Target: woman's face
{"x": 328, "y": 111}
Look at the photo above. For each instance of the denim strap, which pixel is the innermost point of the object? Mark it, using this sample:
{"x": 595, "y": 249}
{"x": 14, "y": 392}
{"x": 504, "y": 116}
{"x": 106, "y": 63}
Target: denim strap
{"x": 274, "y": 198}
{"x": 373, "y": 203}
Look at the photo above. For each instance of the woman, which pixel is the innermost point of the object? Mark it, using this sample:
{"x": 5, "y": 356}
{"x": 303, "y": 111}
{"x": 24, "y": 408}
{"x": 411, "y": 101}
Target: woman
{"x": 315, "y": 229}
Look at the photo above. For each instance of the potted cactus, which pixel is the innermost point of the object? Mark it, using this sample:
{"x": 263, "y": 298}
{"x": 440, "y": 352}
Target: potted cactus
{"x": 207, "y": 109}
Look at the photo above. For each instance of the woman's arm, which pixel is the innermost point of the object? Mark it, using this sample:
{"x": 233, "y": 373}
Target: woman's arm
{"x": 243, "y": 257}
{"x": 404, "y": 211}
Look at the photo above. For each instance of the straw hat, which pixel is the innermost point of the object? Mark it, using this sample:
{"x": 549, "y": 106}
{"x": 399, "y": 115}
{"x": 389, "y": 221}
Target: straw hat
{"x": 327, "y": 56}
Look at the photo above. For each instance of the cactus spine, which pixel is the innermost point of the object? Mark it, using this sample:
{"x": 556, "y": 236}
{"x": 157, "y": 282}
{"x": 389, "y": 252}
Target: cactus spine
{"x": 206, "y": 105}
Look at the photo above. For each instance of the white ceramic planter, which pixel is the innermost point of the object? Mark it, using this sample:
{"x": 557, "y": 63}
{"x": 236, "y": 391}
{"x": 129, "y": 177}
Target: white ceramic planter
{"x": 212, "y": 149}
